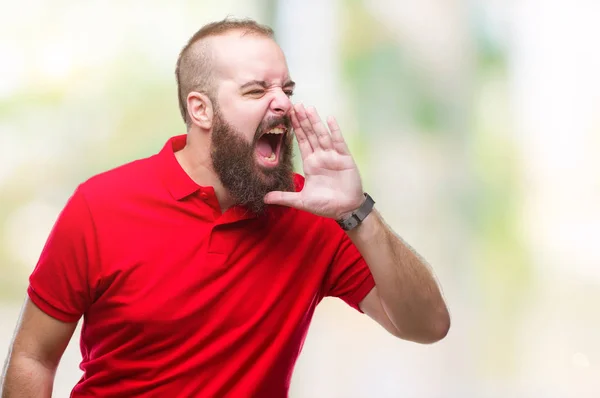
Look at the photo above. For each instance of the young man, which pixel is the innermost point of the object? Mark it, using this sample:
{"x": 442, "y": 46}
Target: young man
{"x": 197, "y": 270}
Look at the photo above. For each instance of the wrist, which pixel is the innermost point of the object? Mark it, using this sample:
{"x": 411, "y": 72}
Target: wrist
{"x": 351, "y": 220}
{"x": 349, "y": 213}
{"x": 367, "y": 229}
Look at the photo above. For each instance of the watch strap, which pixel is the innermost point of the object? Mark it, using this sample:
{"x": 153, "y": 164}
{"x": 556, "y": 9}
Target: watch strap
{"x": 358, "y": 215}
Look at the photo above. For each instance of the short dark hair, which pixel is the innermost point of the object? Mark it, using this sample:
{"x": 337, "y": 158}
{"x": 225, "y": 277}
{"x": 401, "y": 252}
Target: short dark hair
{"x": 194, "y": 70}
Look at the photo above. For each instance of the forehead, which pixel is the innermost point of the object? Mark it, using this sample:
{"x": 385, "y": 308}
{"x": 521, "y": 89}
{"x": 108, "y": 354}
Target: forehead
{"x": 243, "y": 57}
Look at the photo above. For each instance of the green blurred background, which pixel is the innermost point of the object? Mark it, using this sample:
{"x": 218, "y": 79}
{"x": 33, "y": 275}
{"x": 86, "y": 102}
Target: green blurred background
{"x": 475, "y": 125}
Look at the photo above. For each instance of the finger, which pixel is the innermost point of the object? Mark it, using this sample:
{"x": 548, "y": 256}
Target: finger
{"x": 307, "y": 127}
{"x": 336, "y": 136}
{"x": 290, "y": 199}
{"x": 303, "y": 143}
{"x": 319, "y": 128}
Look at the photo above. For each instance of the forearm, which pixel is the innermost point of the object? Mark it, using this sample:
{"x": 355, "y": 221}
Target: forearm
{"x": 26, "y": 377}
{"x": 407, "y": 288}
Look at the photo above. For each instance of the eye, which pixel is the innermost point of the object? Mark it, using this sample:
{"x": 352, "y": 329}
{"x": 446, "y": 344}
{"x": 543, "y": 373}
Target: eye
{"x": 256, "y": 92}
{"x": 289, "y": 93}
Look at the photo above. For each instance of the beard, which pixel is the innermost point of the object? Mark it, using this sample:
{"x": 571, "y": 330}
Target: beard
{"x": 234, "y": 161}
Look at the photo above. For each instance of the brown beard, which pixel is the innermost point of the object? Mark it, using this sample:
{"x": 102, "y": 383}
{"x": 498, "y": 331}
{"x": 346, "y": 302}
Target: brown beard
{"x": 235, "y": 163}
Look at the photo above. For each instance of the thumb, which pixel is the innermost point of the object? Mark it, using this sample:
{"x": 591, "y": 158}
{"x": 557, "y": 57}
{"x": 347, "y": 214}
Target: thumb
{"x": 290, "y": 199}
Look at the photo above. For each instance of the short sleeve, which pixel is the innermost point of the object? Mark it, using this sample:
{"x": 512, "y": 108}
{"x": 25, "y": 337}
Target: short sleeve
{"x": 349, "y": 276}
{"x": 60, "y": 282}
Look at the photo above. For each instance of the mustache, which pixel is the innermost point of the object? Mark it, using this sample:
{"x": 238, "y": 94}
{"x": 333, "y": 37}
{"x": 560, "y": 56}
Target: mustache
{"x": 271, "y": 122}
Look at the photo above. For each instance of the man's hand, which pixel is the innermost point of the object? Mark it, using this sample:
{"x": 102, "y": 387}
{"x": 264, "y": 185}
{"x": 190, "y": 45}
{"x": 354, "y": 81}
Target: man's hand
{"x": 333, "y": 187}
{"x": 407, "y": 300}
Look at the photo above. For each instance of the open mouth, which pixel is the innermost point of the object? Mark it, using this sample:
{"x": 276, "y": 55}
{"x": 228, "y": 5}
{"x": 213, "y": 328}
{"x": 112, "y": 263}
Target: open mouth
{"x": 268, "y": 146}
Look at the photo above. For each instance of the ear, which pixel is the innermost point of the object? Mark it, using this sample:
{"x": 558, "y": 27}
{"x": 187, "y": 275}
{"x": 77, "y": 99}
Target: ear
{"x": 200, "y": 109}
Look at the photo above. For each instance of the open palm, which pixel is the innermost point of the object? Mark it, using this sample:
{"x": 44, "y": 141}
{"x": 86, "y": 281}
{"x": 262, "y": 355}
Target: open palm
{"x": 333, "y": 187}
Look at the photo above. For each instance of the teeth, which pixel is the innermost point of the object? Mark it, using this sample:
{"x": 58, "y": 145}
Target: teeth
{"x": 272, "y": 157}
{"x": 276, "y": 130}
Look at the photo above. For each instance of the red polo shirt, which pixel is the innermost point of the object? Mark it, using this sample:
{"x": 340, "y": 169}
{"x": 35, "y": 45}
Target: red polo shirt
{"x": 181, "y": 300}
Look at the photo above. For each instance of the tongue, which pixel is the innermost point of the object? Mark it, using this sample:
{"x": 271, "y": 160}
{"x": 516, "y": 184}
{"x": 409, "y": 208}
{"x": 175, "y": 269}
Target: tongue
{"x": 264, "y": 148}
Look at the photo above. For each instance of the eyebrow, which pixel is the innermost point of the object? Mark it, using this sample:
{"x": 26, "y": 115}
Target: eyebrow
{"x": 263, "y": 84}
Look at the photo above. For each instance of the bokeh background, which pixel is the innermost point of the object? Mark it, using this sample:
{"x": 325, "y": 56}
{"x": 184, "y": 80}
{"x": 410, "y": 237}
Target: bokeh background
{"x": 475, "y": 124}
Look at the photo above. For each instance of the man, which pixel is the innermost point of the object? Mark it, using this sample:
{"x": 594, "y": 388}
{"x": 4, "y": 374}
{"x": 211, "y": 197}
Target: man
{"x": 197, "y": 270}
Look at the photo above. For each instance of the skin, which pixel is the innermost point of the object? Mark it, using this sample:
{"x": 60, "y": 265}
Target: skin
{"x": 35, "y": 352}
{"x": 406, "y": 300}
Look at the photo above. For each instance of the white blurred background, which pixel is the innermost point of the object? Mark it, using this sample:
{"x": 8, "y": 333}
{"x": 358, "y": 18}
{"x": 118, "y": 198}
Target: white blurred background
{"x": 475, "y": 124}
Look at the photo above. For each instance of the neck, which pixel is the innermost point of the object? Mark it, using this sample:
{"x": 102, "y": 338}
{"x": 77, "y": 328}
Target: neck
{"x": 195, "y": 160}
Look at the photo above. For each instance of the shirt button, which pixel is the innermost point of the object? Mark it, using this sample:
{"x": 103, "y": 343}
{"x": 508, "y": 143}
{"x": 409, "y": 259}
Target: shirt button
{"x": 203, "y": 195}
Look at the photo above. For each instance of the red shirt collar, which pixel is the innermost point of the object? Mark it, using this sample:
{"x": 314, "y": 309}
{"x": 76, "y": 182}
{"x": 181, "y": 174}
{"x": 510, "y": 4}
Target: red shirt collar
{"x": 177, "y": 181}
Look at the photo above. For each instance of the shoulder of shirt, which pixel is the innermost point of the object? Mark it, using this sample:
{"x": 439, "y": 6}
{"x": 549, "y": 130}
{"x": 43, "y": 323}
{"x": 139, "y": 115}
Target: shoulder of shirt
{"x": 135, "y": 176}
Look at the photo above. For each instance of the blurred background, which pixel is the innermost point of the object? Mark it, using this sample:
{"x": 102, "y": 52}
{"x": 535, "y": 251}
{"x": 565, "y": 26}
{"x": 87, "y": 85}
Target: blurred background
{"x": 474, "y": 123}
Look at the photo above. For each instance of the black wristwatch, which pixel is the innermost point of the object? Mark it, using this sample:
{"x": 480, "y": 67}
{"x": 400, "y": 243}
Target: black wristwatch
{"x": 359, "y": 215}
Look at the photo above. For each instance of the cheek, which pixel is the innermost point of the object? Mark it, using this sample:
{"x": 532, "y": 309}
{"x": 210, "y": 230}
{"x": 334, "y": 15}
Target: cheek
{"x": 246, "y": 120}
{"x": 244, "y": 115}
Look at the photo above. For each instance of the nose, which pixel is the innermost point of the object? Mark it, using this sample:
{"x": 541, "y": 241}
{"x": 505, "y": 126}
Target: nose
{"x": 281, "y": 103}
